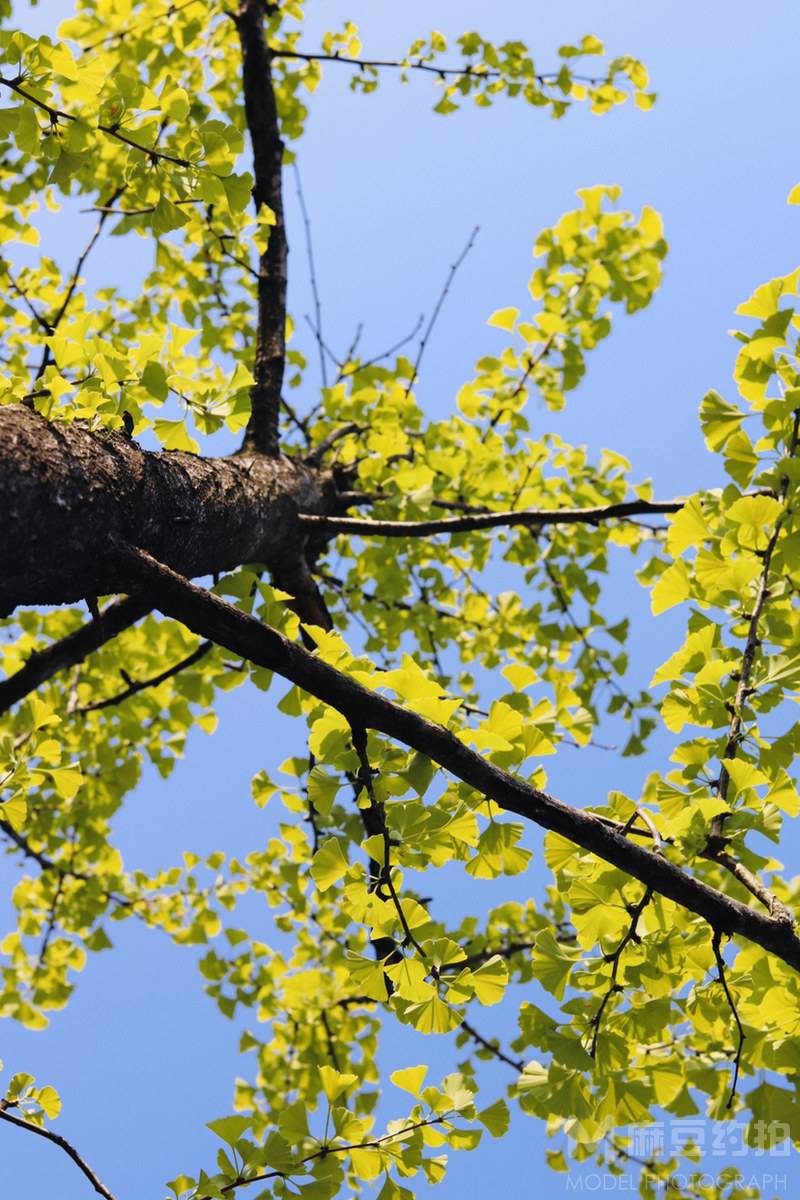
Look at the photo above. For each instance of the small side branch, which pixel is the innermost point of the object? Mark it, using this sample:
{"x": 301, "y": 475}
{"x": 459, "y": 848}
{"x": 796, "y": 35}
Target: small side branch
{"x": 72, "y": 649}
{"x": 473, "y": 522}
{"x": 64, "y": 1145}
{"x": 47, "y": 356}
{"x": 723, "y": 979}
{"x": 419, "y": 64}
{"x": 57, "y": 114}
{"x": 384, "y": 879}
{"x": 775, "y": 907}
{"x": 631, "y": 934}
{"x": 438, "y": 307}
{"x": 516, "y": 1064}
{"x": 136, "y": 686}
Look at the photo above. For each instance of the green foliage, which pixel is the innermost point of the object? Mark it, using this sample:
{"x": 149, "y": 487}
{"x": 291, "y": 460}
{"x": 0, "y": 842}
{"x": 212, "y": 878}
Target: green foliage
{"x": 627, "y": 1010}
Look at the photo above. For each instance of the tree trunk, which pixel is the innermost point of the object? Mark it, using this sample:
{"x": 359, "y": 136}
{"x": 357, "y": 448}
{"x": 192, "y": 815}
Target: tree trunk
{"x": 69, "y": 493}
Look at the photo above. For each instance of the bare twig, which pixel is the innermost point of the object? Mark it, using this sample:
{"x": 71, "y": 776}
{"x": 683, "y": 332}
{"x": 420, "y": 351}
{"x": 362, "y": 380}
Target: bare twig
{"x": 516, "y": 1064}
{"x": 438, "y": 307}
{"x": 370, "y": 362}
{"x": 312, "y": 272}
{"x": 64, "y": 1145}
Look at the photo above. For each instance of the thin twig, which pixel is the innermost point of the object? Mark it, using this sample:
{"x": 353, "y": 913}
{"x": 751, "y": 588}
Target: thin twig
{"x": 438, "y": 307}
{"x": 515, "y": 1063}
{"x": 312, "y": 271}
{"x": 715, "y": 846}
{"x": 615, "y": 958}
{"x": 58, "y": 114}
{"x": 723, "y": 979}
{"x": 365, "y": 780}
{"x": 370, "y": 362}
{"x": 136, "y": 686}
{"x": 375, "y": 64}
{"x": 64, "y": 1145}
{"x": 328, "y": 1149}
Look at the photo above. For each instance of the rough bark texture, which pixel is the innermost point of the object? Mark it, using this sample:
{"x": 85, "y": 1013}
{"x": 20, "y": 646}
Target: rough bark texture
{"x": 68, "y": 493}
{"x": 262, "y": 121}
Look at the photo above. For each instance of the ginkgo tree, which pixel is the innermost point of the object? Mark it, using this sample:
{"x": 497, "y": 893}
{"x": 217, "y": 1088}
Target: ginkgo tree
{"x": 349, "y": 549}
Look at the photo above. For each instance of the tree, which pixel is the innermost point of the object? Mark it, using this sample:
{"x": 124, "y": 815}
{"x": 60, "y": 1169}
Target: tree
{"x": 666, "y": 942}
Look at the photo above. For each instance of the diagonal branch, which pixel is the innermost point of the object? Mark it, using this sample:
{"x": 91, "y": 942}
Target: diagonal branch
{"x": 211, "y": 617}
{"x": 73, "y": 648}
{"x": 262, "y": 121}
{"x": 516, "y": 1064}
{"x": 64, "y": 1145}
{"x": 470, "y": 523}
{"x": 139, "y": 685}
{"x": 47, "y": 355}
{"x": 58, "y": 114}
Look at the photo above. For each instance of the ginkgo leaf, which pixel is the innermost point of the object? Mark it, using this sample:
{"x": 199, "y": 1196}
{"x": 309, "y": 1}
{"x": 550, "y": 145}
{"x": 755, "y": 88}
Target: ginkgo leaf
{"x": 334, "y": 1082}
{"x": 329, "y": 864}
{"x": 504, "y": 318}
{"x": 230, "y": 1129}
{"x": 490, "y": 980}
{"x": 495, "y": 1118}
{"x": 410, "y": 1079}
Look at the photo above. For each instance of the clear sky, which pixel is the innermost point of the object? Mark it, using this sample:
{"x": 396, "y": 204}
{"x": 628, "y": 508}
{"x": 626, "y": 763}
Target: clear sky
{"x": 140, "y": 1056}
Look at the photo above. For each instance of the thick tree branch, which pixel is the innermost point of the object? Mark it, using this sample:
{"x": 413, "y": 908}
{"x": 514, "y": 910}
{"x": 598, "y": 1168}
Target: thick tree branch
{"x": 530, "y": 518}
{"x": 64, "y": 1145}
{"x": 210, "y": 617}
{"x": 73, "y": 648}
{"x": 262, "y": 121}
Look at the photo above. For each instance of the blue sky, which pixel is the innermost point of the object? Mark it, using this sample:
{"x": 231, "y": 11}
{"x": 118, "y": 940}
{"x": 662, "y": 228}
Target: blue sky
{"x": 393, "y": 191}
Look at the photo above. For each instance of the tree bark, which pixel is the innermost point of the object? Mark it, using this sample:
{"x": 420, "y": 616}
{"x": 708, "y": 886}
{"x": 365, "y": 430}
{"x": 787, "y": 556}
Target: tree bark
{"x": 68, "y": 493}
